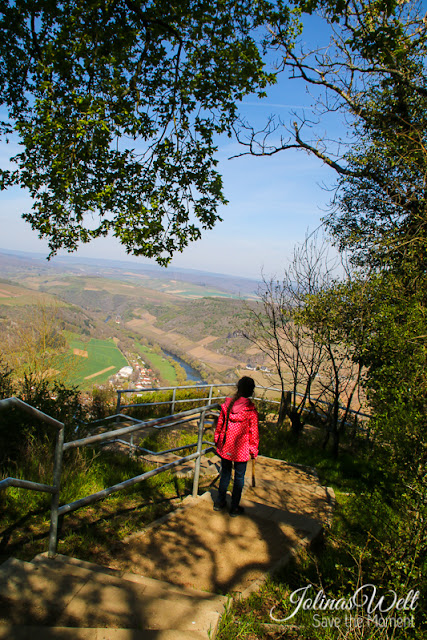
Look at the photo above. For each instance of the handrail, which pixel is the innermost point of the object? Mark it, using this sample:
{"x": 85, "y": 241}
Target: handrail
{"x": 100, "y": 437}
{"x": 113, "y": 435}
{"x": 26, "y": 484}
{"x": 211, "y": 386}
{"x": 100, "y": 495}
{"x": 158, "y": 423}
{"x": 165, "y": 421}
{"x": 158, "y": 453}
{"x": 11, "y": 402}
{"x": 7, "y": 403}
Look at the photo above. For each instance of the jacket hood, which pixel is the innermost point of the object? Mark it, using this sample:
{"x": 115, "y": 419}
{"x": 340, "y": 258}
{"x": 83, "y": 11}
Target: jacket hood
{"x": 239, "y": 405}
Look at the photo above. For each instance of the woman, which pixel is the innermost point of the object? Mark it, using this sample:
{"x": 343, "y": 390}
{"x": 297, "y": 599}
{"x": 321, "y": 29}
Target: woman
{"x": 237, "y": 440}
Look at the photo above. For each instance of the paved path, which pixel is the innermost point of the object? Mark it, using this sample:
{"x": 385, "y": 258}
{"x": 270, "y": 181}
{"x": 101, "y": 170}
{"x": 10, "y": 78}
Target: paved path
{"x": 197, "y": 547}
{"x": 48, "y": 598}
{"x": 165, "y": 583}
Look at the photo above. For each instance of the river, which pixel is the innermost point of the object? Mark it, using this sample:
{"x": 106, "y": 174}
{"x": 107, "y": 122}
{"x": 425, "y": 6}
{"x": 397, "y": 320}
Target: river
{"x": 192, "y": 374}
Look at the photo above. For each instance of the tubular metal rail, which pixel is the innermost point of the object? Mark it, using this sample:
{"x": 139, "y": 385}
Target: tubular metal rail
{"x": 173, "y": 402}
{"x": 209, "y": 398}
{"x": 116, "y": 435}
{"x": 108, "y": 437}
{"x": 57, "y": 467}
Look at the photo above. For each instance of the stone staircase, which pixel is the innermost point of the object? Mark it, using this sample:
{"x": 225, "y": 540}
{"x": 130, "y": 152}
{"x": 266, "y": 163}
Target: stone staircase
{"x": 69, "y": 598}
{"x": 163, "y": 583}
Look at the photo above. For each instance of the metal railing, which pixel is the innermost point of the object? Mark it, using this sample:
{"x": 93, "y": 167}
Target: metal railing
{"x": 57, "y": 467}
{"x": 108, "y": 437}
{"x": 158, "y": 423}
{"x": 115, "y": 435}
{"x": 174, "y": 401}
{"x": 210, "y": 397}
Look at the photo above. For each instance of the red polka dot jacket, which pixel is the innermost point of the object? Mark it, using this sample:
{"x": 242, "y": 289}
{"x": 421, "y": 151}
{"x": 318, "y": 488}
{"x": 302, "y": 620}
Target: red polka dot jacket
{"x": 240, "y": 440}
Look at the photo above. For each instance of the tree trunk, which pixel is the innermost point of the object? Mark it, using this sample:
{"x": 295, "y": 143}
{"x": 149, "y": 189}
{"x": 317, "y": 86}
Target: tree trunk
{"x": 335, "y": 442}
{"x": 295, "y": 423}
{"x": 285, "y": 401}
{"x": 326, "y": 440}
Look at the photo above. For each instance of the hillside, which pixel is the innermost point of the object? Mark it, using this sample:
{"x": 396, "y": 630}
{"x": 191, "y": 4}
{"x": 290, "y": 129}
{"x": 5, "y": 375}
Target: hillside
{"x": 198, "y": 324}
{"x": 183, "y": 282}
{"x": 206, "y": 329}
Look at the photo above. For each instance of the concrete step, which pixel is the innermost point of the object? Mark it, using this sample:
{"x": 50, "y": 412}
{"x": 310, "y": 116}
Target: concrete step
{"x": 85, "y": 569}
{"x": 204, "y": 549}
{"x": 63, "y": 595}
{"x": 312, "y": 501}
{"x": 21, "y": 632}
{"x": 275, "y": 470}
{"x": 207, "y": 469}
{"x": 161, "y": 582}
{"x": 200, "y": 548}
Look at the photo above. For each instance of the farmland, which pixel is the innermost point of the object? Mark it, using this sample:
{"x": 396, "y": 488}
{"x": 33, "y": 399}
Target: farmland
{"x": 163, "y": 366}
{"x": 106, "y": 312}
{"x": 94, "y": 361}
{"x": 13, "y": 295}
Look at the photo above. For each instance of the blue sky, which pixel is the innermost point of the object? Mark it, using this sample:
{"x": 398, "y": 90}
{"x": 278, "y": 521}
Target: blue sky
{"x": 273, "y": 201}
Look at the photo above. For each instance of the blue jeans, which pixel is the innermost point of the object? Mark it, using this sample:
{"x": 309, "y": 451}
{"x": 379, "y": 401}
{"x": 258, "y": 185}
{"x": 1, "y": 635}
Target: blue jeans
{"x": 239, "y": 481}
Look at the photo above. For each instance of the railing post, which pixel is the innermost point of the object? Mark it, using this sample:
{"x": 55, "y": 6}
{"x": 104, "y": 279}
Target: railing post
{"x": 119, "y": 399}
{"x": 210, "y": 394}
{"x": 199, "y": 451}
{"x": 173, "y": 400}
{"x": 53, "y": 533}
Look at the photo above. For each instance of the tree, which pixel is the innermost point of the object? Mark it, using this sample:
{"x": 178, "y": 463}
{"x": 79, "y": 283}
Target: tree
{"x": 395, "y": 356}
{"x": 296, "y": 336}
{"x": 372, "y": 73}
{"x": 380, "y": 206}
{"x": 339, "y": 317}
{"x": 34, "y": 346}
{"x": 116, "y": 105}
{"x": 313, "y": 325}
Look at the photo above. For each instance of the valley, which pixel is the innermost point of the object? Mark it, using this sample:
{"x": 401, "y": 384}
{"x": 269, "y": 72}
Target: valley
{"x": 112, "y": 315}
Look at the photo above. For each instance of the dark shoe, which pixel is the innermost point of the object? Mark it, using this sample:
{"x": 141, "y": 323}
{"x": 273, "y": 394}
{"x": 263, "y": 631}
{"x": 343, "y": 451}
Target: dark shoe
{"x": 219, "y": 506}
{"x": 236, "y": 511}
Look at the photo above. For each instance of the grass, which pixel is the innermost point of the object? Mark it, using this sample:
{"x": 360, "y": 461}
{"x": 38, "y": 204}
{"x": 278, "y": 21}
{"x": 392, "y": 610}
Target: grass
{"x": 357, "y": 549}
{"x": 360, "y": 548}
{"x": 101, "y": 354}
{"x": 89, "y": 532}
{"x": 21, "y": 296}
{"x": 164, "y": 367}
{"x": 354, "y": 471}
{"x": 171, "y": 438}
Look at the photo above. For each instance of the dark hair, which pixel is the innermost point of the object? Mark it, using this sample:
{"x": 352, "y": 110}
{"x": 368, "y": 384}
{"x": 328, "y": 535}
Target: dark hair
{"x": 245, "y": 387}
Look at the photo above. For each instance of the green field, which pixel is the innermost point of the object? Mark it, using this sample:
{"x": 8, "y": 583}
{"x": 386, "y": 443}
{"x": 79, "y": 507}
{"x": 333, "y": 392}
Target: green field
{"x": 159, "y": 362}
{"x": 95, "y": 361}
{"x": 204, "y": 293}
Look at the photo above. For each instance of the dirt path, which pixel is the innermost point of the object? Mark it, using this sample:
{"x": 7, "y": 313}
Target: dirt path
{"x": 98, "y": 373}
